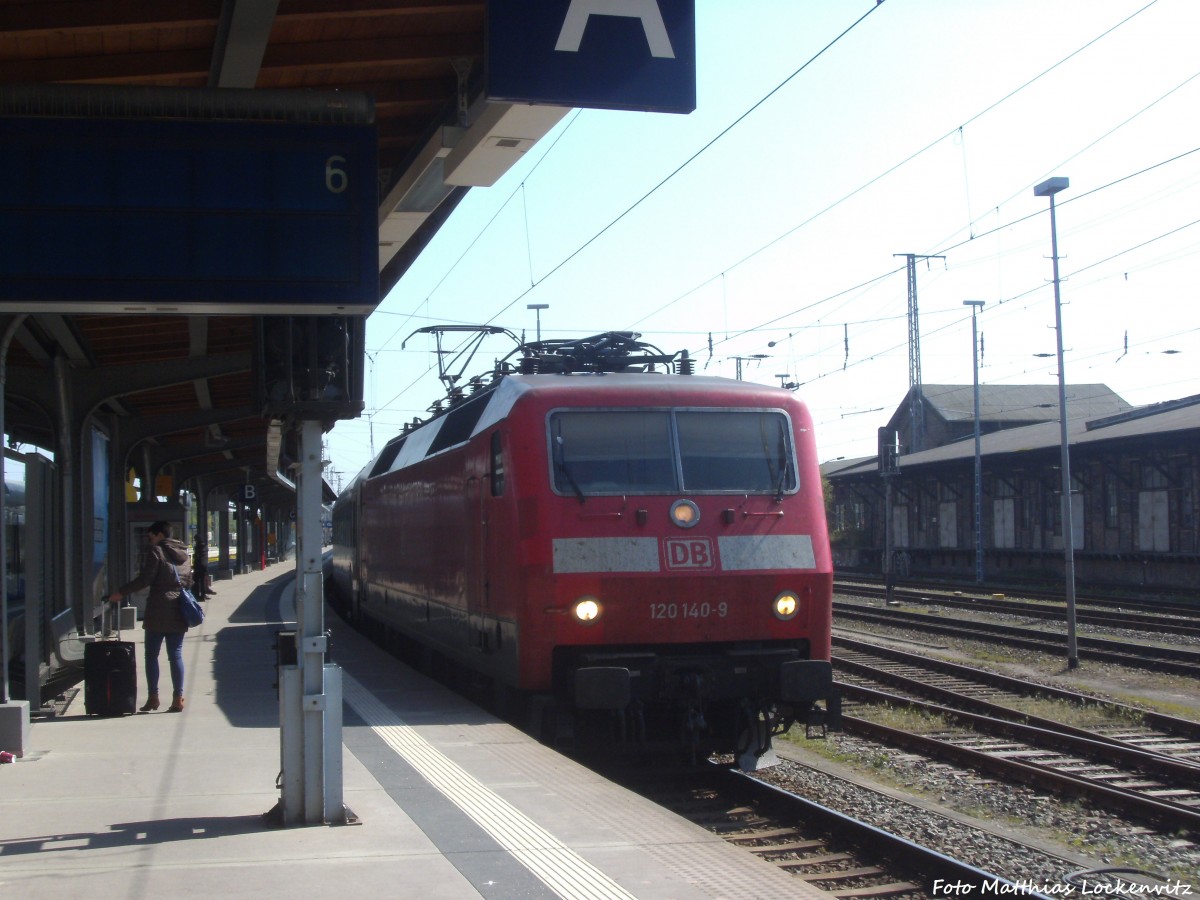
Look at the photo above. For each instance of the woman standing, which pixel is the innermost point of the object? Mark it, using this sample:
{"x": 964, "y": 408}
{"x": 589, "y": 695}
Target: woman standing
{"x": 162, "y": 620}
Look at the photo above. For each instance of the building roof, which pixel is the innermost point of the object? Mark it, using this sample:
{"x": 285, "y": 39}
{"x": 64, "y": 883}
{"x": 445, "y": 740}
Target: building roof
{"x": 841, "y": 464}
{"x": 1009, "y": 404}
{"x": 1158, "y": 419}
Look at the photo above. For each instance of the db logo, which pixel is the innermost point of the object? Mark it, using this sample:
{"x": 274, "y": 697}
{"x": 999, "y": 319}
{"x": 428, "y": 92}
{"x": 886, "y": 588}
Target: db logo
{"x": 690, "y": 553}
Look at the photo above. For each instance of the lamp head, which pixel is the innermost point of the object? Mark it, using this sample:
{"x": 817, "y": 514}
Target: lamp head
{"x": 1051, "y": 186}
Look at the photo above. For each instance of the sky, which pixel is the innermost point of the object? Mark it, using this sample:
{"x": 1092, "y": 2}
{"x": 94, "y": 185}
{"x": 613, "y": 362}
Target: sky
{"x": 831, "y": 139}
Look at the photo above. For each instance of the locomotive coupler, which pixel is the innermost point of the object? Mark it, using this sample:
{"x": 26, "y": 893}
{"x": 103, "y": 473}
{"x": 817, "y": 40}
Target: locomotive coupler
{"x": 754, "y": 750}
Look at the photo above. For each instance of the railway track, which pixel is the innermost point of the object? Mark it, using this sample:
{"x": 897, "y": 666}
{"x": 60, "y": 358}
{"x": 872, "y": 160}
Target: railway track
{"x": 1174, "y": 660}
{"x": 1167, "y": 604}
{"x": 1154, "y": 780}
{"x": 1018, "y": 753}
{"x": 836, "y": 853}
{"x": 1178, "y": 621}
{"x": 997, "y": 695}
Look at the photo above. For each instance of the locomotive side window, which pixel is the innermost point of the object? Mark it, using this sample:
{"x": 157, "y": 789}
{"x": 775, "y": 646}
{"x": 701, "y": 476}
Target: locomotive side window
{"x": 668, "y": 451}
{"x": 612, "y": 452}
{"x": 735, "y": 451}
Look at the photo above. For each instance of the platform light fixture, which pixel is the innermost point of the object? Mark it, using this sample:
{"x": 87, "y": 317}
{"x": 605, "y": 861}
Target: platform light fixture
{"x": 537, "y": 308}
{"x": 1049, "y": 188}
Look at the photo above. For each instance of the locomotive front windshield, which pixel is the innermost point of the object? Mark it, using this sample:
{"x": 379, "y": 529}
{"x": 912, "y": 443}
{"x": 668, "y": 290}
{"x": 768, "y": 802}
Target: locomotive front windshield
{"x": 671, "y": 451}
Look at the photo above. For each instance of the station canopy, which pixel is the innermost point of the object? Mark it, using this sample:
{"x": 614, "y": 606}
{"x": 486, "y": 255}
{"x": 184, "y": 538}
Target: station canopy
{"x": 184, "y": 382}
{"x": 145, "y": 266}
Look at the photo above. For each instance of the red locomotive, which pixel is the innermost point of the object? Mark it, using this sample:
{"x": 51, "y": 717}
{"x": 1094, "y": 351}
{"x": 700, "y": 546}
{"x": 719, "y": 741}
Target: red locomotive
{"x": 643, "y": 551}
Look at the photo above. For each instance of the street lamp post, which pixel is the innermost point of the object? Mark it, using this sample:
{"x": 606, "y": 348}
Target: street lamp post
{"x": 537, "y": 308}
{"x": 977, "y": 305}
{"x": 1049, "y": 188}
{"x": 889, "y": 468}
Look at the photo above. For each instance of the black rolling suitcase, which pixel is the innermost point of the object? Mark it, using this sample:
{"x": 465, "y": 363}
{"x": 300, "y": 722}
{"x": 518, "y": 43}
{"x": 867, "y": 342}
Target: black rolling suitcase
{"x": 110, "y": 676}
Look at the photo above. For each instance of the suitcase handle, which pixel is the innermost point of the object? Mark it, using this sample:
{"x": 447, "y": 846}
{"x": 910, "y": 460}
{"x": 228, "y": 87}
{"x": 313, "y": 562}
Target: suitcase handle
{"x": 112, "y": 610}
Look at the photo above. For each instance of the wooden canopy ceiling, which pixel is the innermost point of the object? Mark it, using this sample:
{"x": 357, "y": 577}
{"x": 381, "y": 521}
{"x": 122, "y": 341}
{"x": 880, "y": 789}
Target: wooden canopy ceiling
{"x": 181, "y": 388}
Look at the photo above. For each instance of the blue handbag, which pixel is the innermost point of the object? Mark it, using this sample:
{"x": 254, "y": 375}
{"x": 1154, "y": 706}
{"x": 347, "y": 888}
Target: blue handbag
{"x": 193, "y": 612}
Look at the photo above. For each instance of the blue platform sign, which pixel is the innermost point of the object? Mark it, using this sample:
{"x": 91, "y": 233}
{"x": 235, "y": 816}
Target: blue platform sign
{"x": 143, "y": 215}
{"x": 606, "y": 54}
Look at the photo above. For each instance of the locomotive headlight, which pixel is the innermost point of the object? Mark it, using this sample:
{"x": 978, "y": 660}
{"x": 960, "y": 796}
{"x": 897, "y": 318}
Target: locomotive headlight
{"x": 685, "y": 513}
{"x": 786, "y": 606}
{"x": 587, "y": 609}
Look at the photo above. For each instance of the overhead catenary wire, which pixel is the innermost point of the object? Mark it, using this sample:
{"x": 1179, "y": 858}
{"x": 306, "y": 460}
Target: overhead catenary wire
{"x": 989, "y": 232}
{"x": 887, "y": 274}
{"x": 810, "y": 306}
{"x": 628, "y": 210}
{"x": 899, "y": 165}
{"x": 519, "y": 189}
{"x": 712, "y": 141}
{"x": 902, "y": 346}
{"x": 946, "y": 250}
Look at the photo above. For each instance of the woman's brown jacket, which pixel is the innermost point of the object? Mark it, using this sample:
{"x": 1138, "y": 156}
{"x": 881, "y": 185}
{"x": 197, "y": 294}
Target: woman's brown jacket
{"x": 162, "y": 605}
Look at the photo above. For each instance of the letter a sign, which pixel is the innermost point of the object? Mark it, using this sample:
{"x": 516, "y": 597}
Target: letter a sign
{"x": 605, "y": 54}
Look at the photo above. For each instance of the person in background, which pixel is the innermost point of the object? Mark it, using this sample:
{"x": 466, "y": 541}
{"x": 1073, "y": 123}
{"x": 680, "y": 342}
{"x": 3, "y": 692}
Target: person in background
{"x": 200, "y": 570}
{"x": 163, "y": 622}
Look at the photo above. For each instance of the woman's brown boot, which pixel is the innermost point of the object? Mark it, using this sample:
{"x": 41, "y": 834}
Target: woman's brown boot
{"x": 151, "y": 704}
{"x": 176, "y": 704}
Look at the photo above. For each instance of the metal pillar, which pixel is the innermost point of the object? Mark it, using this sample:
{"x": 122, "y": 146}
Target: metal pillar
{"x": 976, "y": 305}
{"x": 889, "y": 571}
{"x": 14, "y": 714}
{"x": 222, "y": 535}
{"x": 914, "y": 330}
{"x": 916, "y": 409}
{"x": 1049, "y": 188}
{"x": 916, "y": 440}
{"x": 66, "y": 458}
{"x": 1068, "y": 527}
{"x": 889, "y": 468}
{"x": 310, "y": 701}
{"x": 243, "y": 536}
{"x": 9, "y": 333}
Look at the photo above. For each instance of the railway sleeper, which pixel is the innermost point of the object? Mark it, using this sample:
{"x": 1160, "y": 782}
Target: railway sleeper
{"x": 891, "y": 888}
{"x": 847, "y": 874}
{"x": 768, "y": 851}
{"x": 825, "y": 859}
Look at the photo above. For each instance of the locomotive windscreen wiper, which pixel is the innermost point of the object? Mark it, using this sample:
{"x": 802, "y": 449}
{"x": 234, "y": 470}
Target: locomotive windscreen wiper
{"x": 560, "y": 463}
{"x": 781, "y": 483}
{"x": 785, "y": 463}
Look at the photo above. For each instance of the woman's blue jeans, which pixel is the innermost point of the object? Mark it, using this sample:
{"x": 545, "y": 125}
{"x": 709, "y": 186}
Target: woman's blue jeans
{"x": 154, "y": 642}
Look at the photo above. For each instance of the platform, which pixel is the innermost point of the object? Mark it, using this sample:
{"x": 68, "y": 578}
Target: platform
{"x": 451, "y": 802}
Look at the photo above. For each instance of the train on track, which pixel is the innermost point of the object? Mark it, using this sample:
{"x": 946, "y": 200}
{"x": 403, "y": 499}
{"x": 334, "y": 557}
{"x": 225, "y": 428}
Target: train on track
{"x": 637, "y": 552}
